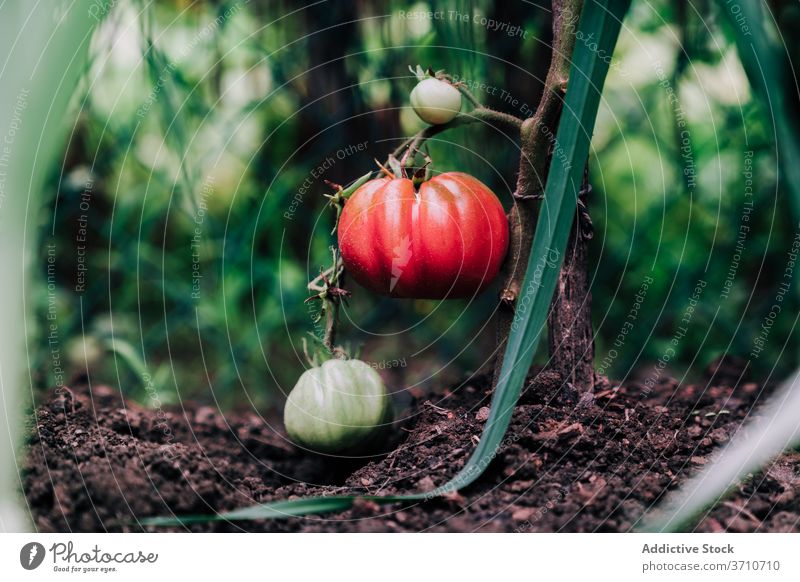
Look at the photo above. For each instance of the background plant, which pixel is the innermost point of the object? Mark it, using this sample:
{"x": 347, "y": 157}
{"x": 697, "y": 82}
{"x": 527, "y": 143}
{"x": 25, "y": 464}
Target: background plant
{"x": 239, "y": 101}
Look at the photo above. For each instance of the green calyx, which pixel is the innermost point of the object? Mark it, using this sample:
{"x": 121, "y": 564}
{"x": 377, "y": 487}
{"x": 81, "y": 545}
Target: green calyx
{"x": 341, "y": 194}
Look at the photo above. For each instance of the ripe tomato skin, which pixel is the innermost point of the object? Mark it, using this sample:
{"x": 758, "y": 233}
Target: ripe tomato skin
{"x": 446, "y": 240}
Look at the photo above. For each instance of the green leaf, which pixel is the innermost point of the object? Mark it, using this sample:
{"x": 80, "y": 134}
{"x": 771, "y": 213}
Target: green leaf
{"x": 283, "y": 509}
{"x": 47, "y": 54}
{"x": 128, "y": 354}
{"x": 770, "y": 74}
{"x": 275, "y": 510}
{"x": 600, "y": 21}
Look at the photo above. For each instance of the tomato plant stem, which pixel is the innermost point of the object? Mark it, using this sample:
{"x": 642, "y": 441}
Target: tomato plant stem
{"x": 569, "y": 322}
{"x": 468, "y": 94}
{"x": 331, "y": 319}
{"x": 411, "y": 146}
{"x": 537, "y": 141}
{"x": 328, "y": 286}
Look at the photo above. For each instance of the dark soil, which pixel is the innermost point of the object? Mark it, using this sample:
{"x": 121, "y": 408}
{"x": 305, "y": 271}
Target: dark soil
{"x": 97, "y": 462}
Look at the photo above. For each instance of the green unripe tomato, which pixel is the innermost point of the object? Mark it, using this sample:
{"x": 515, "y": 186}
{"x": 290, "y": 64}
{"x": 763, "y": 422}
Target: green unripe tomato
{"x": 339, "y": 407}
{"x": 435, "y": 101}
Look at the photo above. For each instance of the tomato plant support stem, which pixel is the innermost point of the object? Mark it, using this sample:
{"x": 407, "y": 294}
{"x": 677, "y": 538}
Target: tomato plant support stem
{"x": 328, "y": 286}
{"x": 570, "y": 333}
{"x": 537, "y": 141}
{"x": 481, "y": 114}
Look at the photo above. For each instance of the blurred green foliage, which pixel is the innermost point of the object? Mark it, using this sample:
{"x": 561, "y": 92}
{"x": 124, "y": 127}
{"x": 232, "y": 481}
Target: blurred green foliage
{"x": 187, "y": 215}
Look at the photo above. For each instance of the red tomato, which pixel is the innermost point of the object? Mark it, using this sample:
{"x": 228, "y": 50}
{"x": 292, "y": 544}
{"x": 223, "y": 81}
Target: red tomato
{"x": 446, "y": 240}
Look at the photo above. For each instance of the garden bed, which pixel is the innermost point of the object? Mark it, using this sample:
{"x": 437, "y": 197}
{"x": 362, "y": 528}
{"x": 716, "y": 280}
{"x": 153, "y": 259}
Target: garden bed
{"x": 97, "y": 462}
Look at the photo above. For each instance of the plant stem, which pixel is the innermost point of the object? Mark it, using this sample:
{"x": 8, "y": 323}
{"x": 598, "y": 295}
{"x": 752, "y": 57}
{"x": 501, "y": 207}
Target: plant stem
{"x": 569, "y": 323}
{"x": 537, "y": 136}
{"x": 331, "y": 320}
{"x": 468, "y": 95}
{"x": 480, "y": 114}
{"x": 328, "y": 287}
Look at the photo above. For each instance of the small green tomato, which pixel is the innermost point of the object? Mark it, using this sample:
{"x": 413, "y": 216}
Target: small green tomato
{"x": 435, "y": 101}
{"x": 339, "y": 407}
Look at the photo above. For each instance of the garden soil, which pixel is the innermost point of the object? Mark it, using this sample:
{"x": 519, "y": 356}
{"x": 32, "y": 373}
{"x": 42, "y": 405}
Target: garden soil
{"x": 98, "y": 462}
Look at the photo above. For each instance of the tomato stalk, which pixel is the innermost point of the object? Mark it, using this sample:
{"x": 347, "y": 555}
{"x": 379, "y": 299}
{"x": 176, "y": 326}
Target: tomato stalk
{"x": 468, "y": 94}
{"x": 572, "y": 297}
{"x": 411, "y": 146}
{"x": 328, "y": 286}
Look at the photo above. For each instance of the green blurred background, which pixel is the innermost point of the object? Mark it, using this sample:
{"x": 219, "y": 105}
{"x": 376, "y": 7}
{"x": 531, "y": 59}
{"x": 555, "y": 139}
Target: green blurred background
{"x": 188, "y": 213}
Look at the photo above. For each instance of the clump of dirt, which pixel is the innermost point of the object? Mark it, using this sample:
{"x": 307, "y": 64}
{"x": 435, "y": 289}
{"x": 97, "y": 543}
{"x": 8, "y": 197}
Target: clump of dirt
{"x": 99, "y": 462}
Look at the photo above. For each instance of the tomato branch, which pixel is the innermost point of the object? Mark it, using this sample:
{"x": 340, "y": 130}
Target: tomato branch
{"x": 537, "y": 140}
{"x": 468, "y": 94}
{"x": 328, "y": 288}
{"x": 478, "y": 115}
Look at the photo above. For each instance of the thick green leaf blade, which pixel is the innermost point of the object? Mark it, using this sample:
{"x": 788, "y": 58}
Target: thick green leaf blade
{"x": 282, "y": 509}
{"x": 275, "y": 510}
{"x": 600, "y": 21}
{"x": 45, "y": 49}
